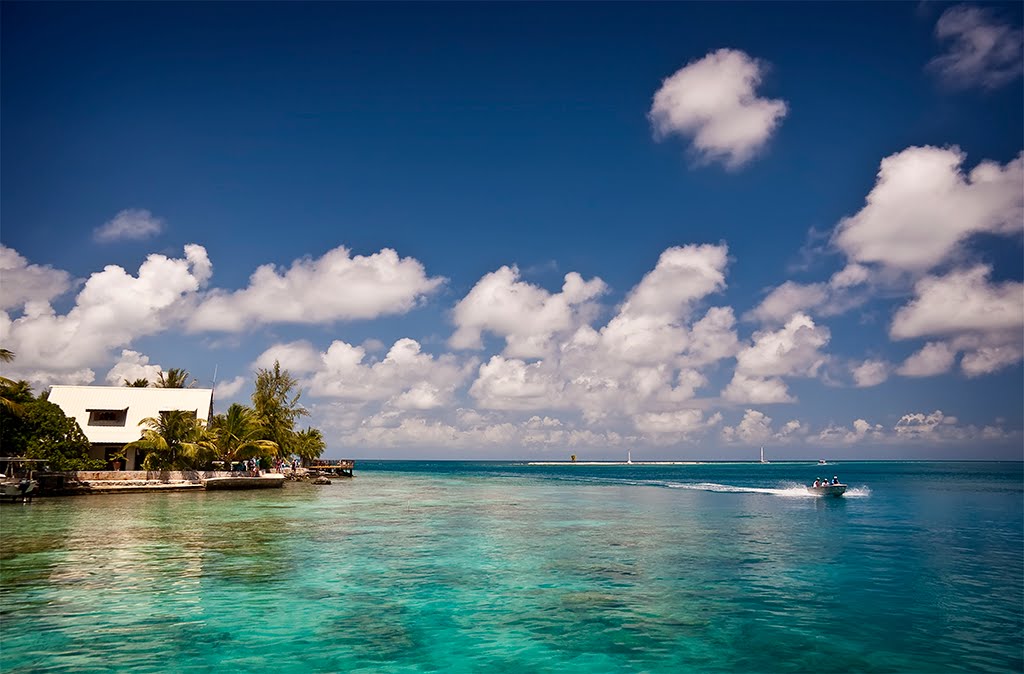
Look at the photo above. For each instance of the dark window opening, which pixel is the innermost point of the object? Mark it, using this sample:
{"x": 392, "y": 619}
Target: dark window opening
{"x": 108, "y": 417}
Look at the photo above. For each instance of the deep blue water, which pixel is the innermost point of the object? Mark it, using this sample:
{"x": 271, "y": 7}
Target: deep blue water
{"x": 468, "y": 567}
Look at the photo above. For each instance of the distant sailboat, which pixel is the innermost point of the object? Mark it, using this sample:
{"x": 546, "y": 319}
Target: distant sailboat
{"x": 629, "y": 456}
{"x": 762, "y": 456}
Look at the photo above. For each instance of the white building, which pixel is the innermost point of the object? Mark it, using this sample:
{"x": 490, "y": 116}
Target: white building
{"x": 110, "y": 415}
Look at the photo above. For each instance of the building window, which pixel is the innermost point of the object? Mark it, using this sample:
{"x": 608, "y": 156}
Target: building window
{"x": 108, "y": 417}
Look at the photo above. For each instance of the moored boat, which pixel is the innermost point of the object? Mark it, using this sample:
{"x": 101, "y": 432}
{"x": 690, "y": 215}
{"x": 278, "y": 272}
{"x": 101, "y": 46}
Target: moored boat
{"x": 18, "y": 481}
{"x": 828, "y": 490}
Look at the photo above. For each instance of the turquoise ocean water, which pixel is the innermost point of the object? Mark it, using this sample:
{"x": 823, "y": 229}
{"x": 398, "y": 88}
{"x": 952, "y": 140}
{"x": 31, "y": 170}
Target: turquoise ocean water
{"x": 506, "y": 567}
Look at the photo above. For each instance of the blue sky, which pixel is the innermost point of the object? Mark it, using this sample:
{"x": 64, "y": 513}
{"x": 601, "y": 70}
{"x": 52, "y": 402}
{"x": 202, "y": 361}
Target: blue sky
{"x": 531, "y": 230}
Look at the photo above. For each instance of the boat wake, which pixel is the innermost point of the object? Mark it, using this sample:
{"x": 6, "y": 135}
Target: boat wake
{"x": 791, "y": 490}
{"x": 785, "y": 489}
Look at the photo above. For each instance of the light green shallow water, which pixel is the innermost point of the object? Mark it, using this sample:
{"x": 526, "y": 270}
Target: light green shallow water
{"x": 421, "y": 571}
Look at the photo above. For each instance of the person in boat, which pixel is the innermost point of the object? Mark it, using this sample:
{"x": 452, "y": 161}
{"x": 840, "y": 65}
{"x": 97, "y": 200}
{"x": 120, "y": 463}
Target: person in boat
{"x": 817, "y": 482}
{"x": 835, "y": 479}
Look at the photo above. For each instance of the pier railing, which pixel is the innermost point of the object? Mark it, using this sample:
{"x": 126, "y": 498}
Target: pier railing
{"x": 332, "y": 466}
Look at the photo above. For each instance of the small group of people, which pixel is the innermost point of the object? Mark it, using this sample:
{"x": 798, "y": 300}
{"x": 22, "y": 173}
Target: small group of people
{"x": 818, "y": 482}
{"x": 252, "y": 466}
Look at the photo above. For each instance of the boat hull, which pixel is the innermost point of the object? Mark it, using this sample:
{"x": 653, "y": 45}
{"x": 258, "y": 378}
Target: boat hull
{"x": 829, "y": 490}
{"x": 15, "y": 490}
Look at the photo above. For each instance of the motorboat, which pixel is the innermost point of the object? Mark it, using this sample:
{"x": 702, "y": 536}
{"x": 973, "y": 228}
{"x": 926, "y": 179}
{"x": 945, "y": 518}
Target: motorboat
{"x": 829, "y": 489}
{"x": 18, "y": 482}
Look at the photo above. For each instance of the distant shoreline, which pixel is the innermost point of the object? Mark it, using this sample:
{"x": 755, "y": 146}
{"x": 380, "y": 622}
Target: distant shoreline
{"x": 801, "y": 462}
{"x": 615, "y": 463}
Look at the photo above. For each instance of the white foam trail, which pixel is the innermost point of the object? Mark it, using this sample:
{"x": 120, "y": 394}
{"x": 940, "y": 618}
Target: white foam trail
{"x": 789, "y": 490}
{"x": 785, "y": 490}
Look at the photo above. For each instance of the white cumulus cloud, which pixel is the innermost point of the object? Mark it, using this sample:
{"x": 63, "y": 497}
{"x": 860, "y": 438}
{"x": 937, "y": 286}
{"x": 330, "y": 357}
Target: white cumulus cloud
{"x": 918, "y": 424}
{"x": 932, "y": 359}
{"x": 641, "y": 362}
{"x": 21, "y": 282}
{"x": 871, "y": 372}
{"x": 961, "y": 301}
{"x": 298, "y": 357}
{"x": 228, "y": 388}
{"x": 512, "y": 384}
{"x": 787, "y": 299}
{"x": 756, "y": 428}
{"x": 405, "y": 378}
{"x": 923, "y": 208}
{"x": 983, "y": 360}
{"x": 712, "y": 338}
{"x": 336, "y": 286}
{"x": 861, "y": 431}
{"x": 112, "y": 309}
{"x": 794, "y": 350}
{"x": 843, "y": 291}
{"x": 983, "y": 319}
{"x": 757, "y": 390}
{"x": 526, "y": 316}
{"x": 131, "y": 366}
{"x": 474, "y": 433}
{"x": 671, "y": 426}
{"x": 129, "y": 224}
{"x": 713, "y": 101}
{"x": 682, "y": 276}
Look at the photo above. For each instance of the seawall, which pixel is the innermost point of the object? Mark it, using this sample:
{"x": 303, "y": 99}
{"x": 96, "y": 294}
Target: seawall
{"x": 116, "y": 481}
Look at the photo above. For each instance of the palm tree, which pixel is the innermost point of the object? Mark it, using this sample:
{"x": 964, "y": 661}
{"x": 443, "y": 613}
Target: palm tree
{"x": 275, "y": 400}
{"x": 142, "y": 382}
{"x": 6, "y": 357}
{"x": 309, "y": 445}
{"x": 239, "y": 436}
{"x": 175, "y": 440}
{"x": 12, "y": 393}
{"x": 175, "y": 378}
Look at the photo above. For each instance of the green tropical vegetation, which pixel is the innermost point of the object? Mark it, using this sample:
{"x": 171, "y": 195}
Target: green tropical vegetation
{"x": 33, "y": 427}
{"x": 275, "y": 401}
{"x": 7, "y": 397}
{"x": 141, "y": 382}
{"x": 179, "y": 441}
{"x": 309, "y": 444}
{"x": 174, "y": 378}
{"x": 238, "y": 436}
{"x": 175, "y": 440}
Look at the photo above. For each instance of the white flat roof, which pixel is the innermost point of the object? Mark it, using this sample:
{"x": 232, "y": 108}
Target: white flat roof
{"x": 76, "y": 401}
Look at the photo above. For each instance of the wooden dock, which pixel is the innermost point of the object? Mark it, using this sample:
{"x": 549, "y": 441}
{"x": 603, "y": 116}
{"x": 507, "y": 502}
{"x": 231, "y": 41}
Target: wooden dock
{"x": 338, "y": 467}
